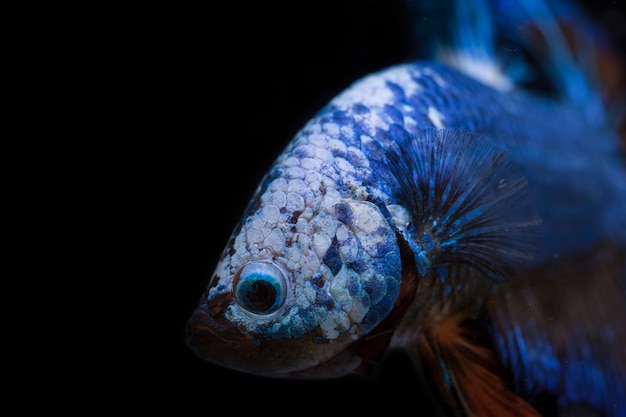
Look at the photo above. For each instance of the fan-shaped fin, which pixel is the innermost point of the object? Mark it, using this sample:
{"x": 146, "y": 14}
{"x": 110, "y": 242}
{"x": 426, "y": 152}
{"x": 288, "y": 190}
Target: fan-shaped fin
{"x": 469, "y": 203}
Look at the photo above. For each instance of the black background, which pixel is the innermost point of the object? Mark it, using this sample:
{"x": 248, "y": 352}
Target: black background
{"x": 220, "y": 92}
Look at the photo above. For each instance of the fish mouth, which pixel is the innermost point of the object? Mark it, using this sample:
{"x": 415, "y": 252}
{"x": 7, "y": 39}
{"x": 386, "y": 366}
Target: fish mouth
{"x": 218, "y": 341}
{"x": 212, "y": 341}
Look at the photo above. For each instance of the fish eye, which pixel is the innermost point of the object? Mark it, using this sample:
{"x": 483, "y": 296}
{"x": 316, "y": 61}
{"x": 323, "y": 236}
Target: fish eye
{"x": 260, "y": 287}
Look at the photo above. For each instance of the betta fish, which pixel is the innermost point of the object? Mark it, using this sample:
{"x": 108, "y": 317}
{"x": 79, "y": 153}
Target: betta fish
{"x": 467, "y": 207}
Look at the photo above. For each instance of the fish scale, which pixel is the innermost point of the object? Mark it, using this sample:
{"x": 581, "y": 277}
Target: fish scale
{"x": 505, "y": 124}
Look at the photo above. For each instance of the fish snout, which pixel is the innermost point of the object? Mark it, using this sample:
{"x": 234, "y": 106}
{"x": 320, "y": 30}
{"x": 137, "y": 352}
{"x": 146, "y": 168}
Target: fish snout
{"x": 210, "y": 339}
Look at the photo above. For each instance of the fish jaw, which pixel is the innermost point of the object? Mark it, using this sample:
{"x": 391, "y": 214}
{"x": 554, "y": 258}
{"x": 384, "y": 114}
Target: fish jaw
{"x": 210, "y": 341}
{"x": 216, "y": 340}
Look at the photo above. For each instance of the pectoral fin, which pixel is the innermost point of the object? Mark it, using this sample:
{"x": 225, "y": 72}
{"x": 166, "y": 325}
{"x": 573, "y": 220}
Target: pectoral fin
{"x": 468, "y": 201}
{"x": 464, "y": 368}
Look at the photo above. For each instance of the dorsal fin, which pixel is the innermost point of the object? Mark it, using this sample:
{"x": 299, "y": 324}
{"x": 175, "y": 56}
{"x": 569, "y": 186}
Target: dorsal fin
{"x": 561, "y": 41}
{"x": 461, "y": 35}
{"x": 515, "y": 44}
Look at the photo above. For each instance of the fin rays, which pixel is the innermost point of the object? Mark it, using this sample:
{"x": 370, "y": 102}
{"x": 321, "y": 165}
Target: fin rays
{"x": 468, "y": 375}
{"x": 468, "y": 202}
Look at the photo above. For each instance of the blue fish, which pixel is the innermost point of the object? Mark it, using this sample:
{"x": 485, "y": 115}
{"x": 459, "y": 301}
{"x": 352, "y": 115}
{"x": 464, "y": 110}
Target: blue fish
{"x": 467, "y": 207}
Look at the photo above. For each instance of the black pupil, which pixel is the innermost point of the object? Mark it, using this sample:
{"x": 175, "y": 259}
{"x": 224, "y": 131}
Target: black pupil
{"x": 261, "y": 295}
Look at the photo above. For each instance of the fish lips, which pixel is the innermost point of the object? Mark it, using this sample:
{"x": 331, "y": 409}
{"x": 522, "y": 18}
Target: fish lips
{"x": 215, "y": 341}
{"x": 219, "y": 341}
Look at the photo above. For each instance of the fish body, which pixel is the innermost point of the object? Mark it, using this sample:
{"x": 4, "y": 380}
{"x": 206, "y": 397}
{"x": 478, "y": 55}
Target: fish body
{"x": 423, "y": 208}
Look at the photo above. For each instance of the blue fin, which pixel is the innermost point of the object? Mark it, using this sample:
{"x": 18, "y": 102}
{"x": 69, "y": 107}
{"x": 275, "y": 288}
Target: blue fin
{"x": 520, "y": 44}
{"x": 559, "y": 330}
{"x": 461, "y": 35}
{"x": 560, "y": 39}
{"x": 468, "y": 202}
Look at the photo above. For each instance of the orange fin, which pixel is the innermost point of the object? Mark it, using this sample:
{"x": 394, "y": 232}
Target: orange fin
{"x": 467, "y": 373}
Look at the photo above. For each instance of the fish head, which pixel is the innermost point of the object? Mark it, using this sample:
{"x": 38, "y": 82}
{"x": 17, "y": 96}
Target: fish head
{"x": 309, "y": 271}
